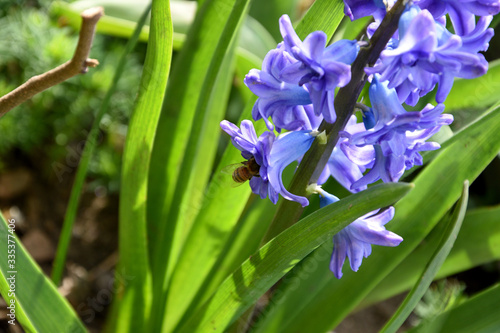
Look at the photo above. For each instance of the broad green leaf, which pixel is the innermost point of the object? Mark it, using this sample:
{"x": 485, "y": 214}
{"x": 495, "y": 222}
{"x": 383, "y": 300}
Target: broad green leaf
{"x": 38, "y": 305}
{"x": 243, "y": 241}
{"x": 495, "y": 21}
{"x": 185, "y": 147}
{"x": 324, "y": 15}
{"x": 477, "y": 93}
{"x": 425, "y": 279}
{"x": 257, "y": 274}
{"x": 196, "y": 175}
{"x": 478, "y": 314}
{"x": 135, "y": 301}
{"x": 181, "y": 121}
{"x": 437, "y": 187}
{"x": 76, "y": 190}
{"x": 478, "y": 243}
{"x": 351, "y": 29}
{"x": 219, "y": 212}
{"x": 269, "y": 12}
{"x": 220, "y": 209}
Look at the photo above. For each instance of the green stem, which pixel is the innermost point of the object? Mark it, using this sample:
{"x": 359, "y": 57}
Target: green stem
{"x": 315, "y": 159}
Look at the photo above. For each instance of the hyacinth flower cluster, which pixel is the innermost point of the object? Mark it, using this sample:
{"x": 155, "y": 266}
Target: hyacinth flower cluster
{"x": 296, "y": 93}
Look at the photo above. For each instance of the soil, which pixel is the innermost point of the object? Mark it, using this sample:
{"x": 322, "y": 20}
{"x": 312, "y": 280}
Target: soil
{"x": 37, "y": 200}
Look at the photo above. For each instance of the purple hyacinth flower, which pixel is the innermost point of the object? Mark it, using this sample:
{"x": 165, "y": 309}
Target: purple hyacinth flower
{"x": 245, "y": 139}
{"x": 461, "y": 12}
{"x": 320, "y": 69}
{"x": 340, "y": 167}
{"x": 355, "y": 240}
{"x": 272, "y": 155}
{"x": 284, "y": 102}
{"x": 288, "y": 148}
{"x": 389, "y": 116}
{"x": 428, "y": 55}
{"x": 397, "y": 136}
{"x": 356, "y": 9}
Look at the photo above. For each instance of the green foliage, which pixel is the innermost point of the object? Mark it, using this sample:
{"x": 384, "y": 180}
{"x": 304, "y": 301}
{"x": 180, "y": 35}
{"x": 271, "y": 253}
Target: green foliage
{"x": 60, "y": 117}
{"x": 262, "y": 270}
{"x": 30, "y": 288}
{"x": 134, "y": 305}
{"x": 191, "y": 243}
{"x": 432, "y": 267}
{"x": 478, "y": 314}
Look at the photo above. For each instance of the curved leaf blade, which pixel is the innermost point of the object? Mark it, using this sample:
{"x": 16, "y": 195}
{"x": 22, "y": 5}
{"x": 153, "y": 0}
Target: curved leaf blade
{"x": 432, "y": 267}
{"x": 478, "y": 243}
{"x": 437, "y": 187}
{"x": 256, "y": 275}
{"x": 135, "y": 300}
{"x": 39, "y": 306}
{"x": 219, "y": 211}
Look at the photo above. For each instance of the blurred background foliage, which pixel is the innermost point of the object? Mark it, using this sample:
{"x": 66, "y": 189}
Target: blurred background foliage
{"x": 48, "y": 131}
{"x": 59, "y": 119}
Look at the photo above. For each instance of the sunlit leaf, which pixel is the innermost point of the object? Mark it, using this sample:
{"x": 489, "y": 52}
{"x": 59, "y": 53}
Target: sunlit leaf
{"x": 437, "y": 187}
{"x": 135, "y": 301}
{"x": 256, "y": 275}
{"x": 38, "y": 305}
{"x": 425, "y": 279}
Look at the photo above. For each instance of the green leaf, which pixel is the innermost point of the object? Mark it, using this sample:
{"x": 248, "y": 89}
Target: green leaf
{"x": 257, "y": 274}
{"x": 269, "y": 12}
{"x": 242, "y": 243}
{"x": 352, "y": 29}
{"x": 219, "y": 211}
{"x": 324, "y": 15}
{"x": 433, "y": 266}
{"x": 437, "y": 187}
{"x": 478, "y": 243}
{"x": 479, "y": 315}
{"x": 188, "y": 93}
{"x": 38, "y": 305}
{"x": 76, "y": 190}
{"x": 185, "y": 148}
{"x": 135, "y": 300}
{"x": 196, "y": 175}
{"x": 477, "y": 93}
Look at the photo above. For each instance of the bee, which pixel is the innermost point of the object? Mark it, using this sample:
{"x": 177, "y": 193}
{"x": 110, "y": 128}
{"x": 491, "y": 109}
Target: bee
{"x": 241, "y": 172}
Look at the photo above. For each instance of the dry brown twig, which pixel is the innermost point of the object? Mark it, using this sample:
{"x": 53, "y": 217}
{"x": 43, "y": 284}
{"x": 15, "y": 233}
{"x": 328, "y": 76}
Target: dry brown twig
{"x": 77, "y": 65}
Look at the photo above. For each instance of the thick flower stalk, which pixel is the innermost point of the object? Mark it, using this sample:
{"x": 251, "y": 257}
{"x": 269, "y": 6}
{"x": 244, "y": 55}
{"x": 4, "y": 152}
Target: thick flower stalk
{"x": 411, "y": 55}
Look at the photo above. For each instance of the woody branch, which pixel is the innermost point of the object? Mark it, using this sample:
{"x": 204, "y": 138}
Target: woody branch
{"x": 77, "y": 65}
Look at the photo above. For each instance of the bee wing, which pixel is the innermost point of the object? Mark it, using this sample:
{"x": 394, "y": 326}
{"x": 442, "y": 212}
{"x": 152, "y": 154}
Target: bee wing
{"x": 235, "y": 184}
{"x": 229, "y": 169}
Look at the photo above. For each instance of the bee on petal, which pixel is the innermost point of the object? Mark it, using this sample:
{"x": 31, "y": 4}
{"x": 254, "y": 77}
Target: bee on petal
{"x": 241, "y": 172}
